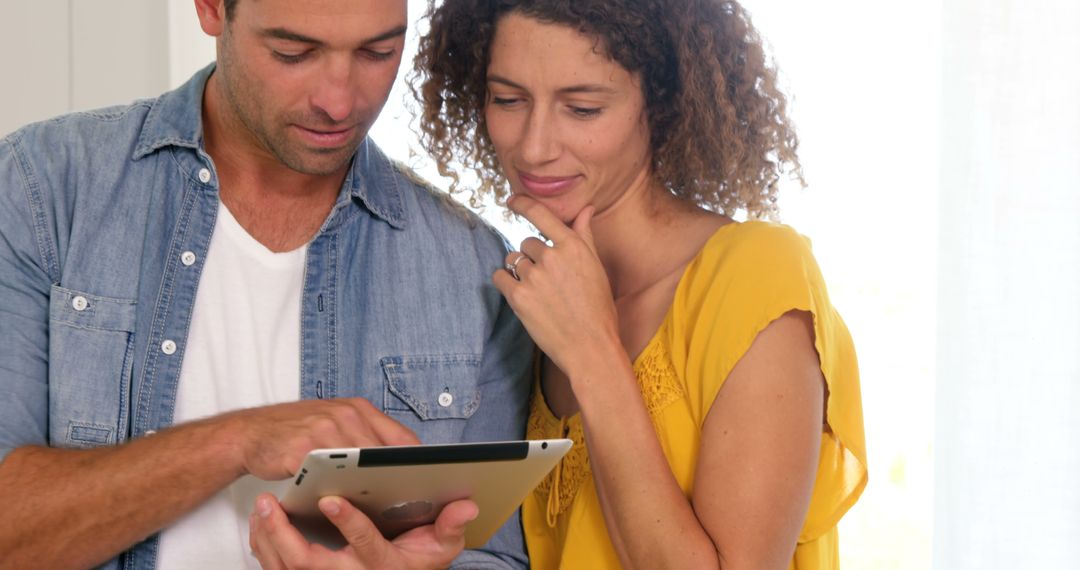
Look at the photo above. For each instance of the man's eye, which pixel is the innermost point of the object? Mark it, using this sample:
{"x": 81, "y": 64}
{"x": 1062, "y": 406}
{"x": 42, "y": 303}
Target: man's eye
{"x": 585, "y": 112}
{"x": 290, "y": 57}
{"x": 375, "y": 55}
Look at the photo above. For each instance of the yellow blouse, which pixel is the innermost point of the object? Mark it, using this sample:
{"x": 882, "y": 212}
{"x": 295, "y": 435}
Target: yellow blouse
{"x": 745, "y": 277}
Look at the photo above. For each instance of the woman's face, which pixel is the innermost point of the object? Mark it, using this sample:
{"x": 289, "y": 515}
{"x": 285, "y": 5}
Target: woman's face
{"x": 568, "y": 123}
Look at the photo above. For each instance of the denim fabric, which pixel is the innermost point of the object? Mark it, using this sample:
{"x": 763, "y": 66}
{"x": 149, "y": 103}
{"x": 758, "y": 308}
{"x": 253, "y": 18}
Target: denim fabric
{"x": 97, "y": 212}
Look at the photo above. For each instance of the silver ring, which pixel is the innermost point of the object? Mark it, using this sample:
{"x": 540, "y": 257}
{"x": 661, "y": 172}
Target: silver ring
{"x": 512, "y": 267}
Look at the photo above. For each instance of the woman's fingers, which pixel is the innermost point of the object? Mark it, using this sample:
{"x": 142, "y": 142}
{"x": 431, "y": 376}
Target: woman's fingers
{"x": 582, "y": 226}
{"x": 534, "y": 249}
{"x": 515, "y": 263}
{"x": 541, "y": 217}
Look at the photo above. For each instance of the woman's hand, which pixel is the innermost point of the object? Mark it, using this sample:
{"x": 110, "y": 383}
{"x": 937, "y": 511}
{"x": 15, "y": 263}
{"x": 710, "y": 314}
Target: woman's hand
{"x": 561, "y": 294}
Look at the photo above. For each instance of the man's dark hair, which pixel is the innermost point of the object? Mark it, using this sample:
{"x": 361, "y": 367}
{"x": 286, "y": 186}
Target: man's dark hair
{"x": 230, "y": 9}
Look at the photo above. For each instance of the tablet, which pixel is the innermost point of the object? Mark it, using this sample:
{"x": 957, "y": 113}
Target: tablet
{"x": 402, "y": 487}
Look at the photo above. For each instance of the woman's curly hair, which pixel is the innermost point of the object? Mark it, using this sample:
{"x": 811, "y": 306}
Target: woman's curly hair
{"x": 719, "y": 131}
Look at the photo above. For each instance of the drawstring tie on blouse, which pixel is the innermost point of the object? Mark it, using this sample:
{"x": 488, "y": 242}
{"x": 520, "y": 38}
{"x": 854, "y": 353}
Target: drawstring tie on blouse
{"x": 554, "y": 502}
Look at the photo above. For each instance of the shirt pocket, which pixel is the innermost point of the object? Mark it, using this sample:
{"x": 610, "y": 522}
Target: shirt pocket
{"x": 434, "y": 395}
{"x": 90, "y": 364}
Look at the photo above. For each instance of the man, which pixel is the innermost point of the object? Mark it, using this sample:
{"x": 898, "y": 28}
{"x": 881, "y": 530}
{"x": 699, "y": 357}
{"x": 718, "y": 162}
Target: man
{"x": 206, "y": 259}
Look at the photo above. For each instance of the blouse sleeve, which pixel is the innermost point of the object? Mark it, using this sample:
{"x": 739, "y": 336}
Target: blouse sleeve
{"x": 743, "y": 280}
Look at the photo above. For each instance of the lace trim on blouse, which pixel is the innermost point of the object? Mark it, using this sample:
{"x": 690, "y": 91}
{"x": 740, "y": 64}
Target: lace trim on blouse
{"x": 660, "y": 387}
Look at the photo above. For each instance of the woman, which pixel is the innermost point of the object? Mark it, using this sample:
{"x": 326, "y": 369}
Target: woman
{"x": 708, "y": 384}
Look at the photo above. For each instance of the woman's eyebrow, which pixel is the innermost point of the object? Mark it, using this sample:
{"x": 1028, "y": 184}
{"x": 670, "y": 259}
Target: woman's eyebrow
{"x": 582, "y": 88}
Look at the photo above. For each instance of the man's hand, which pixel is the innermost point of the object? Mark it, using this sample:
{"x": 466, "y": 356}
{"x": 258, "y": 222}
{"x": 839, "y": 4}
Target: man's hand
{"x": 273, "y": 441}
{"x": 278, "y": 545}
{"x": 132, "y": 487}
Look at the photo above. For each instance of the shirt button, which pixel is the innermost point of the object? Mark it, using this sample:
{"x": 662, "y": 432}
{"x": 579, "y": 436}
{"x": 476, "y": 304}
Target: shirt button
{"x": 445, "y": 399}
{"x": 168, "y": 347}
{"x": 79, "y": 303}
{"x": 204, "y": 175}
{"x": 188, "y": 258}
{"x": 149, "y": 432}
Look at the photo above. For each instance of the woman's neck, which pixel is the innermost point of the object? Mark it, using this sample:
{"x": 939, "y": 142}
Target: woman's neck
{"x": 639, "y": 238}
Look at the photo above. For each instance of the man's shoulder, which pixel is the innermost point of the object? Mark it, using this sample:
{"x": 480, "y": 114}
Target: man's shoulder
{"x": 84, "y": 133}
{"x": 129, "y": 131}
{"x": 434, "y": 201}
{"x": 112, "y": 117}
{"x": 427, "y": 192}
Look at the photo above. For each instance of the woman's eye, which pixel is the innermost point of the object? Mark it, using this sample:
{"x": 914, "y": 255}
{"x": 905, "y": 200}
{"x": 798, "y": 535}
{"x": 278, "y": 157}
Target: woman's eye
{"x": 504, "y": 101}
{"x": 290, "y": 57}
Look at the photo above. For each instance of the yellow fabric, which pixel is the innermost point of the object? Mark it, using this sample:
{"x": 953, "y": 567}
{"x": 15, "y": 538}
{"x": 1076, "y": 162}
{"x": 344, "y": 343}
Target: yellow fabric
{"x": 746, "y": 276}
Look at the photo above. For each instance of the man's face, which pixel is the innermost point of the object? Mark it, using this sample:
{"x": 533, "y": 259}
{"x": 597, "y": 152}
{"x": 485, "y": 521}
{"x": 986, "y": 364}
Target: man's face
{"x": 303, "y": 80}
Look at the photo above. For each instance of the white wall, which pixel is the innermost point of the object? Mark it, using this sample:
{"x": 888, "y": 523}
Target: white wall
{"x": 64, "y": 55}
{"x": 38, "y": 78}
{"x": 189, "y": 48}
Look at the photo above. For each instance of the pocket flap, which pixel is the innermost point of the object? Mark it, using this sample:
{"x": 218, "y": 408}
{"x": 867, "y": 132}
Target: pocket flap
{"x": 433, "y": 386}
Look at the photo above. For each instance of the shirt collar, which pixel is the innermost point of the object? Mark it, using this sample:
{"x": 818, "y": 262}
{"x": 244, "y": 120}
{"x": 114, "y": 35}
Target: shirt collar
{"x": 175, "y": 119}
{"x": 376, "y": 182}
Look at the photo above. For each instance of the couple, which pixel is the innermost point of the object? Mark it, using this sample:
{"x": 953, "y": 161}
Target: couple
{"x": 197, "y": 290}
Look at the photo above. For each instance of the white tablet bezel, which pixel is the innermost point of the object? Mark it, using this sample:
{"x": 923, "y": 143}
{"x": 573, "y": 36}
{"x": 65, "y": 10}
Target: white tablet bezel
{"x": 402, "y": 487}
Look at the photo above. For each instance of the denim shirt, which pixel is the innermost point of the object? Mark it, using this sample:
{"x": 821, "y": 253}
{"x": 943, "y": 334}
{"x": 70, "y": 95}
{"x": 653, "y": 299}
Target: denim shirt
{"x": 105, "y": 219}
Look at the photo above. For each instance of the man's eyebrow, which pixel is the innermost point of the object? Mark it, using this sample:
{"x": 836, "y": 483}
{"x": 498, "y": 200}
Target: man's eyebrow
{"x": 583, "y": 88}
{"x": 289, "y": 35}
{"x": 285, "y": 34}
{"x": 398, "y": 31}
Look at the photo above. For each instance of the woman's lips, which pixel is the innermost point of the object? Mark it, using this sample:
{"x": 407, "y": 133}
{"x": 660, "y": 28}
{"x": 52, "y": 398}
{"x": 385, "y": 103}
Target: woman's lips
{"x": 545, "y": 186}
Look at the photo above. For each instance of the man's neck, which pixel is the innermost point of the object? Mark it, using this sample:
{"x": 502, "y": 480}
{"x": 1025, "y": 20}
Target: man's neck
{"x": 280, "y": 207}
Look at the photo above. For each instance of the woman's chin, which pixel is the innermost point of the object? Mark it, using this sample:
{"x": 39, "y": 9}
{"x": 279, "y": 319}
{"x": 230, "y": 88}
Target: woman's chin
{"x": 566, "y": 214}
{"x": 563, "y": 209}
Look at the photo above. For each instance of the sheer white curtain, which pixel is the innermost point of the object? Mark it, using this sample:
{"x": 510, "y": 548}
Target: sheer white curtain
{"x": 1007, "y": 484}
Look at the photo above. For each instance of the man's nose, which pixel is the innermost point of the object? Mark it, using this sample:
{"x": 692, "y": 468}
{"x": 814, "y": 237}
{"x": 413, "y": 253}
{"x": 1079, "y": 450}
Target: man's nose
{"x": 334, "y": 92}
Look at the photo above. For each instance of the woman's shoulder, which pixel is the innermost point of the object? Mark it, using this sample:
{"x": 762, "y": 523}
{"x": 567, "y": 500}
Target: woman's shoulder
{"x": 747, "y": 278}
{"x": 753, "y": 259}
{"x": 748, "y": 244}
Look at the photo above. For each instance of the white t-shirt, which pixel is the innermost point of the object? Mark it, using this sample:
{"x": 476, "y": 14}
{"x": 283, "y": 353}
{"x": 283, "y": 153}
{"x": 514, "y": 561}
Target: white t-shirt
{"x": 243, "y": 351}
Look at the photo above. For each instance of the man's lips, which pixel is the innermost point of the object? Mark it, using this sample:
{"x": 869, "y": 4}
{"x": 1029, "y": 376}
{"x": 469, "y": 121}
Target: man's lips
{"x": 326, "y": 137}
{"x": 546, "y": 185}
